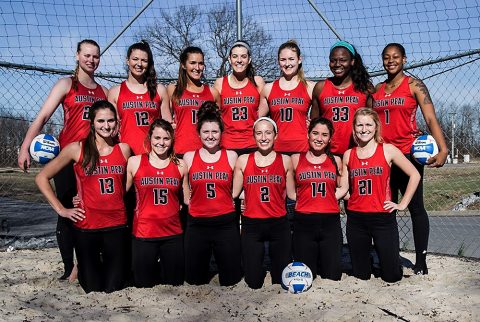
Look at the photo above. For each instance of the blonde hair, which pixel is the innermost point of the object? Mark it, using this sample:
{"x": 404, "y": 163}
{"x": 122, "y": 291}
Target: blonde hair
{"x": 366, "y": 111}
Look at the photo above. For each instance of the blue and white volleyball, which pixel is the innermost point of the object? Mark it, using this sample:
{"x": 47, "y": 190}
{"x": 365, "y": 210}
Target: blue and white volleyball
{"x": 423, "y": 148}
{"x": 297, "y": 278}
{"x": 44, "y": 148}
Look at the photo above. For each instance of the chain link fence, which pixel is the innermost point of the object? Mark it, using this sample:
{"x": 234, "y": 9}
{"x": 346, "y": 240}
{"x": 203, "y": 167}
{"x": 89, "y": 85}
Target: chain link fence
{"x": 38, "y": 41}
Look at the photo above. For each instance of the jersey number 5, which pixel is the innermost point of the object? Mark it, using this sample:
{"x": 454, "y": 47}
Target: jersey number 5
{"x": 211, "y": 193}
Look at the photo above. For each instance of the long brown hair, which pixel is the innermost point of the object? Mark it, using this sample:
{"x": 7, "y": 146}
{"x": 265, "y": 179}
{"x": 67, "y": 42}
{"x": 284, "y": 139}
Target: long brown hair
{"x": 90, "y": 150}
{"x": 167, "y": 127}
{"x": 77, "y": 67}
{"x": 182, "y": 73}
{"x": 292, "y": 45}
{"x": 250, "y": 69}
{"x": 151, "y": 74}
{"x": 331, "y": 130}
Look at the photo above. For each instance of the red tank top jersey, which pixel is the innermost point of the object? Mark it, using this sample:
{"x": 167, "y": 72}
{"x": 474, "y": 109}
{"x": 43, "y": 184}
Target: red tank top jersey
{"x": 316, "y": 185}
{"x": 339, "y": 106}
{"x": 76, "y": 106}
{"x": 369, "y": 182}
{"x": 211, "y": 186}
{"x": 239, "y": 112}
{"x": 136, "y": 112}
{"x": 101, "y": 193}
{"x": 397, "y": 112}
{"x": 289, "y": 110}
{"x": 185, "y": 113}
{"x": 157, "y": 193}
{"x": 265, "y": 189}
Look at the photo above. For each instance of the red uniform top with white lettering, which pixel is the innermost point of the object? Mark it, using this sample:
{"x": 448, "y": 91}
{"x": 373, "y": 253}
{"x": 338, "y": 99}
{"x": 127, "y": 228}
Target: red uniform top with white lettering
{"x": 211, "y": 186}
{"x": 397, "y": 112}
{"x": 239, "y": 112}
{"x": 339, "y": 106}
{"x": 157, "y": 193}
{"x": 316, "y": 185}
{"x": 369, "y": 182}
{"x": 185, "y": 113}
{"x": 76, "y": 106}
{"x": 101, "y": 193}
{"x": 289, "y": 110}
{"x": 265, "y": 189}
{"x": 136, "y": 112}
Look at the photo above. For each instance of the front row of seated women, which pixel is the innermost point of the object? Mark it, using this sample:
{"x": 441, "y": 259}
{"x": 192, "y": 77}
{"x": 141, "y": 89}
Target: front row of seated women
{"x": 166, "y": 252}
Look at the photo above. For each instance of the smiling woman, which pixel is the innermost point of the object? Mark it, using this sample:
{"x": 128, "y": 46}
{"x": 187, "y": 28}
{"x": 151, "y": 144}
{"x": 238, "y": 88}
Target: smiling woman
{"x": 100, "y": 231}
{"x": 139, "y": 100}
{"x": 288, "y": 100}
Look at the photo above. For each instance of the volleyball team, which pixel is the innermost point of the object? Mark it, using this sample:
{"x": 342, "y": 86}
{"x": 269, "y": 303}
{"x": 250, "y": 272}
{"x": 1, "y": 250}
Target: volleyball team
{"x": 160, "y": 173}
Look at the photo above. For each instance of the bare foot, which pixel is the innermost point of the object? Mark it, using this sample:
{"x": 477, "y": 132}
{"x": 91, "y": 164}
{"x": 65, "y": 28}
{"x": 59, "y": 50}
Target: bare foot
{"x": 74, "y": 274}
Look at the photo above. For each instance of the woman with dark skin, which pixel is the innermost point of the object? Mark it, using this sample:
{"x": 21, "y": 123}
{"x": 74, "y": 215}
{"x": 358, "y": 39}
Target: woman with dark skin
{"x": 396, "y": 101}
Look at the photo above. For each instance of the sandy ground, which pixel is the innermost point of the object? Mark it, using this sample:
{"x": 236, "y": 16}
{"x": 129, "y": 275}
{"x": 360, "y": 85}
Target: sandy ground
{"x": 30, "y": 291}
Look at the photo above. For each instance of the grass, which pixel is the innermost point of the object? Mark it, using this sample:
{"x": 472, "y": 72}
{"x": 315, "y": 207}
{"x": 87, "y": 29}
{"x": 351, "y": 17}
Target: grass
{"x": 443, "y": 187}
{"x": 446, "y": 186}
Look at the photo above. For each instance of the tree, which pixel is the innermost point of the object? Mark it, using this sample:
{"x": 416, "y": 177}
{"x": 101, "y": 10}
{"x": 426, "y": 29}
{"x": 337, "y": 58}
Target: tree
{"x": 214, "y": 31}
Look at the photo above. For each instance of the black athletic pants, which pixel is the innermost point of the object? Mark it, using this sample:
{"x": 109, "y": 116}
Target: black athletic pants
{"x": 317, "y": 242}
{"x": 219, "y": 235}
{"x": 255, "y": 232}
{"x": 66, "y": 189}
{"x": 101, "y": 259}
{"x": 158, "y": 261}
{"x": 383, "y": 229}
{"x": 420, "y": 222}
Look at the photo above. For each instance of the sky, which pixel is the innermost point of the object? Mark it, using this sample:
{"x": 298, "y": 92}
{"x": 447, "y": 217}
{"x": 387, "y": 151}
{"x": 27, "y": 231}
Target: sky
{"x": 44, "y": 33}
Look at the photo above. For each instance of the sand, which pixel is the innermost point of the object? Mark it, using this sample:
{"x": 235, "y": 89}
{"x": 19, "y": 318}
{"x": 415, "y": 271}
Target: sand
{"x": 30, "y": 291}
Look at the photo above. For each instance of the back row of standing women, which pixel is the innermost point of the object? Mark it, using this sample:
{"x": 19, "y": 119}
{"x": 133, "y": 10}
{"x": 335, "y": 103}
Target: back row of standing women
{"x": 242, "y": 97}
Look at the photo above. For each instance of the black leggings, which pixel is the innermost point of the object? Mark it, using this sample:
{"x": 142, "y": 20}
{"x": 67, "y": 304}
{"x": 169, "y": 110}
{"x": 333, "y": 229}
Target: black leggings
{"x": 219, "y": 235}
{"x": 158, "y": 261}
{"x": 101, "y": 259}
{"x": 383, "y": 229}
{"x": 66, "y": 189}
{"x": 254, "y": 233}
{"x": 420, "y": 223}
{"x": 317, "y": 242}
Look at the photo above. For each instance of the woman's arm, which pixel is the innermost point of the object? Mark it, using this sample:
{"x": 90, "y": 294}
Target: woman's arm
{"x": 290, "y": 179}
{"x": 420, "y": 92}
{"x": 165, "y": 105}
{"x": 395, "y": 156}
{"x": 70, "y": 153}
{"x": 263, "y": 108}
{"x": 238, "y": 175}
{"x": 54, "y": 99}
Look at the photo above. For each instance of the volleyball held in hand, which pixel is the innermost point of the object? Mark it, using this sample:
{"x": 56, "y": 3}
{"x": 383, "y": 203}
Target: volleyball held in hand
{"x": 424, "y": 147}
{"x": 44, "y": 148}
{"x": 296, "y": 277}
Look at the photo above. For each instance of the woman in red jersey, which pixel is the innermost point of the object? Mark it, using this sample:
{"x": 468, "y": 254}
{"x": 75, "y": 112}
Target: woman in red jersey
{"x": 371, "y": 213}
{"x": 100, "y": 220}
{"x": 186, "y": 97}
{"x": 139, "y": 100}
{"x": 240, "y": 96}
{"x": 157, "y": 244}
{"x": 287, "y": 100}
{"x": 396, "y": 102}
{"x": 212, "y": 224}
{"x": 338, "y": 97}
{"x": 266, "y": 177}
{"x": 76, "y": 94}
{"x": 317, "y": 231}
